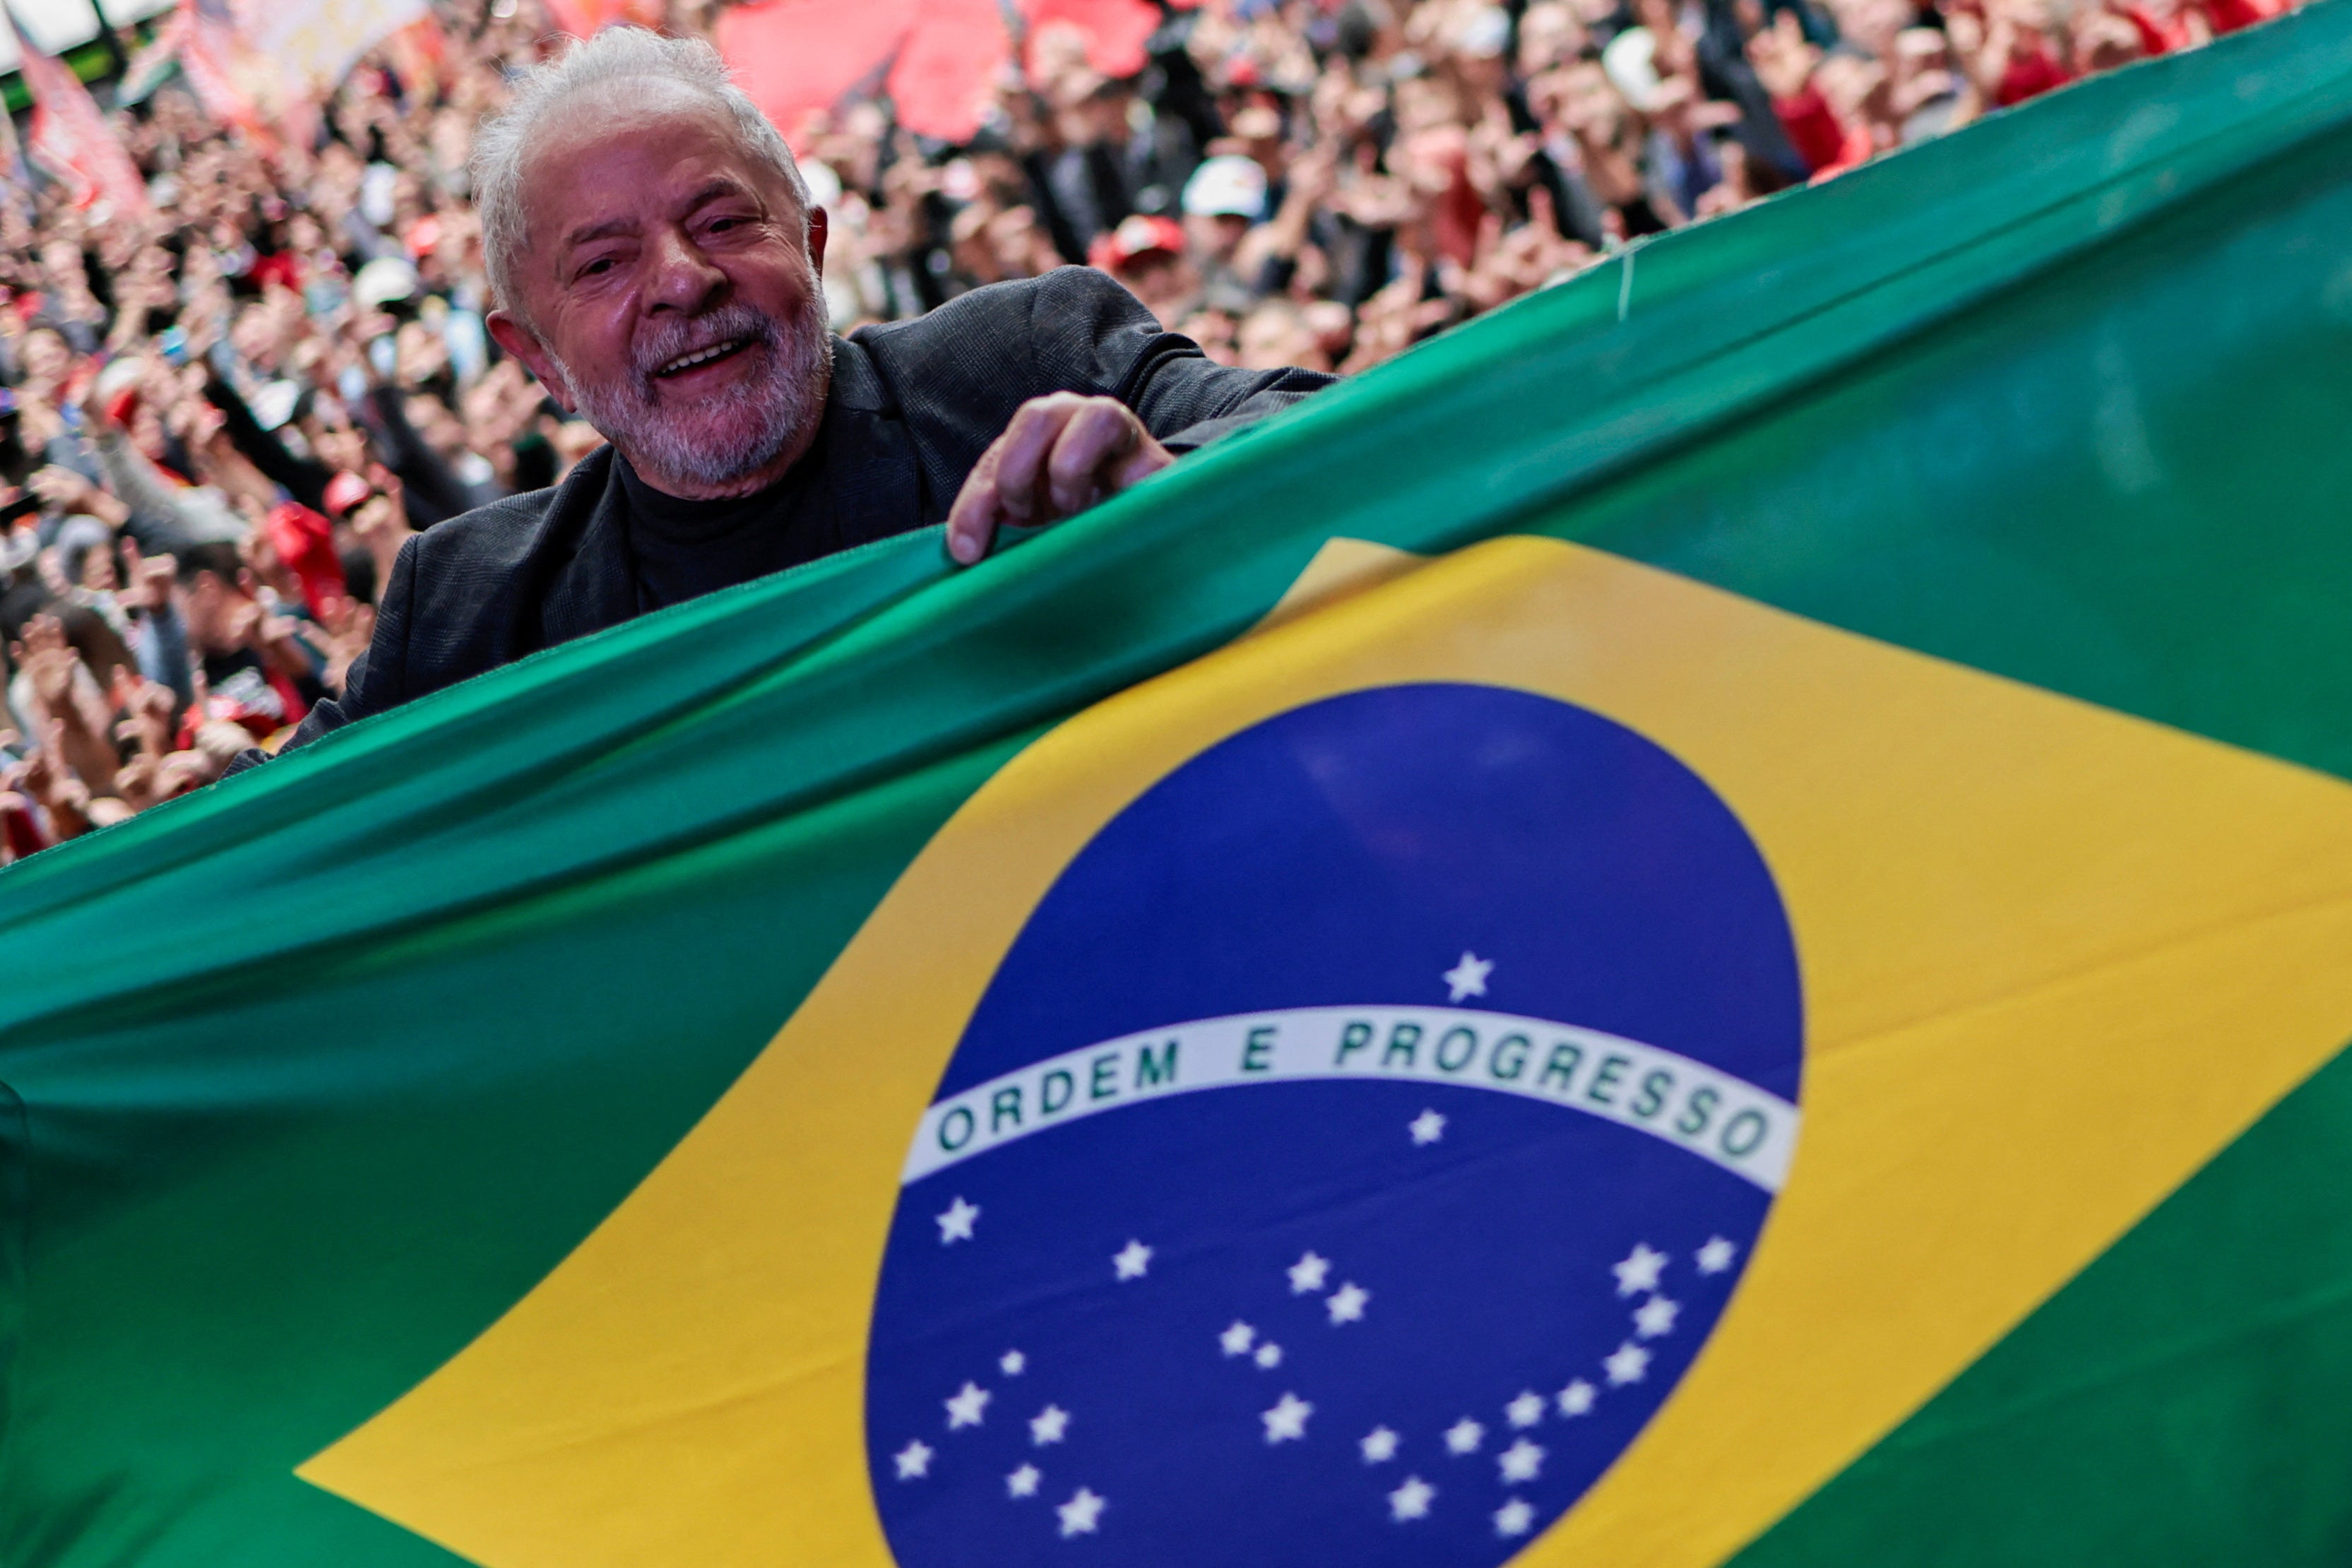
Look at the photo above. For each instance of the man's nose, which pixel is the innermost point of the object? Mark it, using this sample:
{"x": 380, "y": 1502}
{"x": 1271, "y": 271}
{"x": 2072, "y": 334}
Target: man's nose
{"x": 683, "y": 278}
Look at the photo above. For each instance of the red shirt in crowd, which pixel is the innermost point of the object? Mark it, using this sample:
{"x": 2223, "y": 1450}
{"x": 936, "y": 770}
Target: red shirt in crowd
{"x": 283, "y": 268}
{"x": 2229, "y": 15}
{"x": 2157, "y": 37}
{"x": 2029, "y": 75}
{"x": 1813, "y": 127}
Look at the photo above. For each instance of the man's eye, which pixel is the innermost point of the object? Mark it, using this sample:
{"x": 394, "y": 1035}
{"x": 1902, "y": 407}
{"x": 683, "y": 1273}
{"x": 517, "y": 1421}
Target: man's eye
{"x": 602, "y": 264}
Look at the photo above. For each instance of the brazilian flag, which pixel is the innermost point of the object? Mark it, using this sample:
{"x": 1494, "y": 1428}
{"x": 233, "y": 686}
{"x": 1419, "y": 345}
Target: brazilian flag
{"x": 1708, "y": 922}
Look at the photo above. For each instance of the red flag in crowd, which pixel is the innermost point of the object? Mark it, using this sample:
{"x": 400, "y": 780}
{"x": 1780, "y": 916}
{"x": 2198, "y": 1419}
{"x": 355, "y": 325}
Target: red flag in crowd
{"x": 938, "y": 60}
{"x": 208, "y": 43}
{"x": 947, "y": 69}
{"x": 798, "y": 58}
{"x": 71, "y": 138}
{"x": 152, "y": 62}
{"x": 1115, "y": 30}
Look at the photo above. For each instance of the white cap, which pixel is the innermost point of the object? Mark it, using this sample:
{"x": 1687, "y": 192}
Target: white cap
{"x": 1486, "y": 34}
{"x": 383, "y": 281}
{"x": 1631, "y": 63}
{"x": 1227, "y": 184}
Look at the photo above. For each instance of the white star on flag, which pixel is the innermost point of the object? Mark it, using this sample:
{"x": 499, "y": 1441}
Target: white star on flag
{"x": 1640, "y": 1270}
{"x": 1237, "y": 1340}
{"x": 1012, "y": 1364}
{"x": 1716, "y": 1255}
{"x": 1132, "y": 1261}
{"x": 1526, "y": 1410}
{"x": 955, "y": 1222}
{"x": 1269, "y": 1355}
{"x": 1655, "y": 1317}
{"x": 1288, "y": 1420}
{"x": 1521, "y": 1461}
{"x": 1626, "y": 1365}
{"x": 964, "y": 1409}
{"x": 1380, "y": 1446}
{"x": 914, "y": 1460}
{"x": 1347, "y": 1303}
{"x": 1427, "y": 1128}
{"x": 1023, "y": 1483}
{"x": 1410, "y": 1501}
{"x": 1080, "y": 1514}
{"x": 1576, "y": 1399}
{"x": 1464, "y": 1436}
{"x": 1469, "y": 978}
{"x": 1306, "y": 1274}
{"x": 1048, "y": 1424}
{"x": 1514, "y": 1518}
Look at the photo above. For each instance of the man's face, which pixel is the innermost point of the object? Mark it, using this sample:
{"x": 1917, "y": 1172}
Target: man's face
{"x": 670, "y": 290}
{"x": 209, "y": 609}
{"x": 1217, "y": 235}
{"x": 1165, "y": 284}
{"x": 46, "y": 358}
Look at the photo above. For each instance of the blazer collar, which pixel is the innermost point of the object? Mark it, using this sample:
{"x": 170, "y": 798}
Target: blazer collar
{"x": 593, "y": 587}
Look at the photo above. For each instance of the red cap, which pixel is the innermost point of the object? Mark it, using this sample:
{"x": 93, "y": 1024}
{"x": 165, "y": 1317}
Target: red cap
{"x": 1138, "y": 237}
{"x": 344, "y": 492}
{"x": 306, "y": 543}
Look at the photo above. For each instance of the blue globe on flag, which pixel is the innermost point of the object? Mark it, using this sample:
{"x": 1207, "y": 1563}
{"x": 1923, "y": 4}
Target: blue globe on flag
{"x": 1350, "y": 1156}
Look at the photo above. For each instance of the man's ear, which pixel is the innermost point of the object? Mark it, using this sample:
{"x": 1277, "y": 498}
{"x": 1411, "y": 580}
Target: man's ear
{"x": 816, "y": 233}
{"x": 522, "y": 343}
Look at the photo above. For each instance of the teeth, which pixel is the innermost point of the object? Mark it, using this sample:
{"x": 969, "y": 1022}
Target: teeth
{"x": 687, "y": 361}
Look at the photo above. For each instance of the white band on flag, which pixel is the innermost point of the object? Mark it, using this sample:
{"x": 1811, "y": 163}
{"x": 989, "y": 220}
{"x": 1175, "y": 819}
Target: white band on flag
{"x": 1695, "y": 1107}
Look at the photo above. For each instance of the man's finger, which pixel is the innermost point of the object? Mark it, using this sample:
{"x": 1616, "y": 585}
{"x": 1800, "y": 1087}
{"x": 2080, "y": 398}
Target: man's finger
{"x": 972, "y": 520}
{"x": 1097, "y": 436}
{"x": 1021, "y": 466}
{"x": 1146, "y": 459}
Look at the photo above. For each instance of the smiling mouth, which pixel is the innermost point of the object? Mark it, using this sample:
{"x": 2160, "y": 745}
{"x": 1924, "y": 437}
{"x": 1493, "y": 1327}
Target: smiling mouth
{"x": 701, "y": 357}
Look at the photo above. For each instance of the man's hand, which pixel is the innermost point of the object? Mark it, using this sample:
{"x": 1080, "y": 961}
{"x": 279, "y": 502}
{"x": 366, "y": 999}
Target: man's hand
{"x": 61, "y": 487}
{"x": 151, "y": 578}
{"x": 49, "y": 660}
{"x": 1061, "y": 454}
{"x": 146, "y": 707}
{"x": 45, "y": 777}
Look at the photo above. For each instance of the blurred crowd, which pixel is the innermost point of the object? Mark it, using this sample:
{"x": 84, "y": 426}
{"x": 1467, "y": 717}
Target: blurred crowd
{"x": 219, "y": 422}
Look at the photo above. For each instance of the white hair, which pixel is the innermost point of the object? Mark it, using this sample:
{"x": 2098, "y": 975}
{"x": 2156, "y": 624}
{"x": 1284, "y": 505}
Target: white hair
{"x": 605, "y": 66}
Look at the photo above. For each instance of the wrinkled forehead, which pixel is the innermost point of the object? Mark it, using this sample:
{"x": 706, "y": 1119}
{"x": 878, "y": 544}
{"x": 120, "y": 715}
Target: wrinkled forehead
{"x": 632, "y": 144}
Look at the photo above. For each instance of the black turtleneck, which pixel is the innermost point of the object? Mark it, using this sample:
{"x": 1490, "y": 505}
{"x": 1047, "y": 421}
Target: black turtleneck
{"x": 680, "y": 549}
{"x": 860, "y": 480}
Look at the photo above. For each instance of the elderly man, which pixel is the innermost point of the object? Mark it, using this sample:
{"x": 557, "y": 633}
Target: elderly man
{"x": 656, "y": 260}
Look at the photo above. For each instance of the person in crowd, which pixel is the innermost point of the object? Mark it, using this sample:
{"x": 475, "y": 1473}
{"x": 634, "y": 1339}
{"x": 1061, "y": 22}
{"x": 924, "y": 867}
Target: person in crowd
{"x": 223, "y": 421}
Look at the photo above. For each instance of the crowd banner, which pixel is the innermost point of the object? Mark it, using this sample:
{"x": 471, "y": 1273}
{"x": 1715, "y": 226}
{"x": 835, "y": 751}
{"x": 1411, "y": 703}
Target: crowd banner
{"x": 1710, "y": 920}
{"x": 313, "y": 44}
{"x": 70, "y": 138}
{"x": 939, "y": 61}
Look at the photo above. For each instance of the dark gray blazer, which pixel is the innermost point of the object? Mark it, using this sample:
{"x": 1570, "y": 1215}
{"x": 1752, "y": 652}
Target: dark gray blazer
{"x": 913, "y": 407}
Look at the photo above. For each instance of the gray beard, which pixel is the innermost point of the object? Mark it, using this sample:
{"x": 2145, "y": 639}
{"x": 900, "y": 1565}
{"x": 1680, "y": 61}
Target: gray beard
{"x": 728, "y": 438}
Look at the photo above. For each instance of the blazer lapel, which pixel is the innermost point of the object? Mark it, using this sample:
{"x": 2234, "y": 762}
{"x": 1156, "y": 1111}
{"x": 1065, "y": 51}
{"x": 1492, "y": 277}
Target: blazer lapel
{"x": 593, "y": 587}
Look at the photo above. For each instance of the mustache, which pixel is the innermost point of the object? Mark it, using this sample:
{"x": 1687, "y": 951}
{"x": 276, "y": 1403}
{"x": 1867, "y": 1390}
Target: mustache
{"x": 731, "y": 322}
